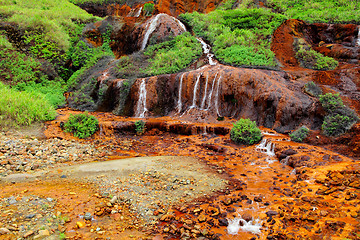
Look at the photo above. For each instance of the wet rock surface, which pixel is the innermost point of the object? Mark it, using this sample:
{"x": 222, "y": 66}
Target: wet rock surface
{"x": 318, "y": 199}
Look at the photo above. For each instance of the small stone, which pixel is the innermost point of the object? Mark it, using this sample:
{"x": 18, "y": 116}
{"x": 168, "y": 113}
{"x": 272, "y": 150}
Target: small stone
{"x": 87, "y": 216}
{"x": 29, "y": 233}
{"x": 114, "y": 199}
{"x": 4, "y": 231}
{"x": 80, "y": 224}
{"x": 30, "y": 216}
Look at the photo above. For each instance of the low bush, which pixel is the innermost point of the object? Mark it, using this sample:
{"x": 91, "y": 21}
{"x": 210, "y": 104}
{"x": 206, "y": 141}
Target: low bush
{"x": 81, "y": 125}
{"x": 173, "y": 55}
{"x": 312, "y": 89}
{"x": 340, "y": 118}
{"x": 315, "y": 60}
{"x": 245, "y": 131}
{"x": 331, "y": 102}
{"x": 239, "y": 36}
{"x": 23, "y": 108}
{"x": 149, "y": 9}
{"x": 139, "y": 126}
{"x": 335, "y": 125}
{"x": 300, "y": 134}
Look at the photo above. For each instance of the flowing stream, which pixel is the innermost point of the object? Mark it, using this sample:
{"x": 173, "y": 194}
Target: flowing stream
{"x": 153, "y": 24}
{"x": 358, "y": 37}
{"x": 141, "y": 104}
{"x": 252, "y": 226}
{"x": 179, "y": 103}
{"x": 206, "y": 48}
{"x": 195, "y": 91}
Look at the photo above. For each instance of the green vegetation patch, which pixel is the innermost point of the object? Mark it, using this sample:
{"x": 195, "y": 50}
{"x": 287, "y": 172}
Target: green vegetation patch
{"x": 149, "y": 8}
{"x": 140, "y": 127}
{"x": 240, "y": 36}
{"x": 81, "y": 125}
{"x": 56, "y": 19}
{"x": 173, "y": 55}
{"x": 245, "y": 131}
{"x": 335, "y": 11}
{"x": 23, "y": 108}
{"x": 299, "y": 134}
{"x": 340, "y": 118}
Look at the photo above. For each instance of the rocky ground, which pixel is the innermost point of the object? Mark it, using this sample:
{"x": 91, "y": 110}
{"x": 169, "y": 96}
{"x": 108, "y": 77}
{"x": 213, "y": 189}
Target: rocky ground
{"x": 276, "y": 190}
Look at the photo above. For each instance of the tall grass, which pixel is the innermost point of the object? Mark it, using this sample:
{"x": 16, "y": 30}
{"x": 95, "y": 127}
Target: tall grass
{"x": 240, "y": 36}
{"x": 56, "y": 18}
{"x": 336, "y": 11}
{"x": 173, "y": 55}
{"x": 23, "y": 108}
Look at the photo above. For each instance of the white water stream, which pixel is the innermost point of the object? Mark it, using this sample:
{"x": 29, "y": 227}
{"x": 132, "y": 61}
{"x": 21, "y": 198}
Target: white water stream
{"x": 138, "y": 12}
{"x": 211, "y": 91}
{"x": 153, "y": 24}
{"x": 204, "y": 97}
{"x": 141, "y": 104}
{"x": 252, "y": 226}
{"x": 217, "y": 96}
{"x": 195, "y": 91}
{"x": 179, "y": 103}
{"x": 358, "y": 37}
{"x": 206, "y": 48}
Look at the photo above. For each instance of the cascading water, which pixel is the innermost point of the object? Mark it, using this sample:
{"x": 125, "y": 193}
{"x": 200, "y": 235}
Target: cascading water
{"x": 205, "y": 92}
{"x": 152, "y": 25}
{"x": 217, "y": 96}
{"x": 252, "y": 226}
{"x": 211, "y": 91}
{"x": 206, "y": 48}
{"x": 138, "y": 12}
{"x": 141, "y": 104}
{"x": 266, "y": 146}
{"x": 179, "y": 103}
{"x": 358, "y": 38}
{"x": 195, "y": 91}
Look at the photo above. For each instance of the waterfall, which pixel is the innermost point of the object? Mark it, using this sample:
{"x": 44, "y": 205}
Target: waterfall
{"x": 211, "y": 91}
{"x": 206, "y": 49}
{"x": 138, "y": 12}
{"x": 217, "y": 97}
{"x": 358, "y": 37}
{"x": 179, "y": 103}
{"x": 152, "y": 25}
{"x": 206, "y": 87}
{"x": 195, "y": 90}
{"x": 141, "y": 104}
{"x": 266, "y": 146}
{"x": 252, "y": 226}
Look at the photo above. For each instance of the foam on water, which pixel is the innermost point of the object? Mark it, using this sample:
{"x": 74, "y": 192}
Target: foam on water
{"x": 252, "y": 226}
{"x": 266, "y": 146}
{"x": 141, "y": 104}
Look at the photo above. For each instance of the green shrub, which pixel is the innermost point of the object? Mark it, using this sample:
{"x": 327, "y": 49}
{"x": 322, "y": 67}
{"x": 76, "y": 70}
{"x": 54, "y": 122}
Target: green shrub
{"x": 335, "y": 11}
{"x": 149, "y": 9}
{"x": 245, "y": 131}
{"x": 240, "y": 36}
{"x": 312, "y": 89}
{"x": 331, "y": 102}
{"x": 23, "y": 108}
{"x": 315, "y": 60}
{"x": 300, "y": 134}
{"x": 173, "y": 55}
{"x": 340, "y": 118}
{"x": 335, "y": 125}
{"x": 55, "y": 19}
{"x": 17, "y": 67}
{"x": 140, "y": 126}
{"x": 81, "y": 125}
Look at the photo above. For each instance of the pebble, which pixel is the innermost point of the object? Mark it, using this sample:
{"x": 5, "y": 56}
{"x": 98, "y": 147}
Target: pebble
{"x": 4, "y": 231}
{"x": 87, "y": 216}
